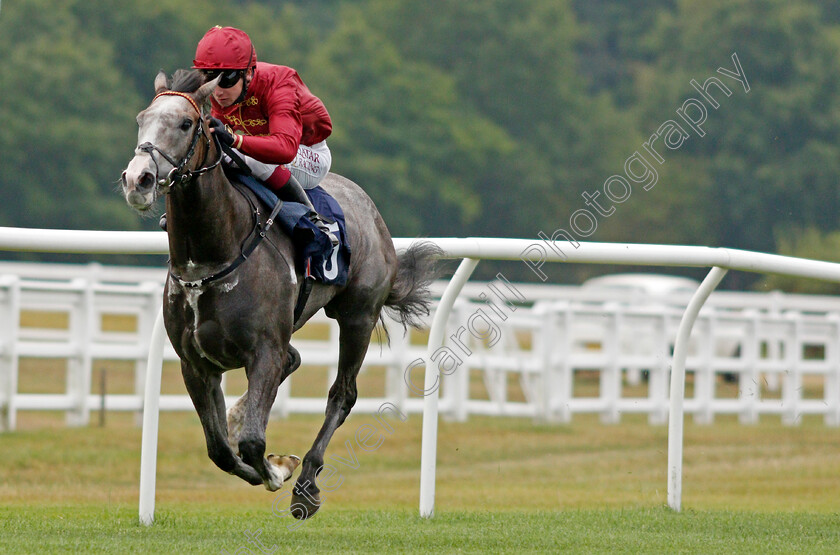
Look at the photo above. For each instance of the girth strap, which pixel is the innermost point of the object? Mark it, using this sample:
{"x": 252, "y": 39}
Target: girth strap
{"x": 303, "y": 295}
{"x": 256, "y": 237}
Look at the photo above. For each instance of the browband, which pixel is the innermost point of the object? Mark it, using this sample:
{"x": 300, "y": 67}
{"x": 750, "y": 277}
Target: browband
{"x": 183, "y": 95}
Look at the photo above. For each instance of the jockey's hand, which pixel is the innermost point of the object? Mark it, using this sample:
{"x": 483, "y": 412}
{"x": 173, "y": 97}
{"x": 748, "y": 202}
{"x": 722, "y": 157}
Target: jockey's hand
{"x": 224, "y": 135}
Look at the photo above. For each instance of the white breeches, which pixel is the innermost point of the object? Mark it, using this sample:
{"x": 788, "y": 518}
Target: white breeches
{"x": 309, "y": 167}
{"x": 311, "y": 164}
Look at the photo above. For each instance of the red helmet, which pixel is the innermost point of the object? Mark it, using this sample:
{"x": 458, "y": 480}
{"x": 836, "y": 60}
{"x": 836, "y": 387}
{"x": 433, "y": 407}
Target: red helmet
{"x": 225, "y": 48}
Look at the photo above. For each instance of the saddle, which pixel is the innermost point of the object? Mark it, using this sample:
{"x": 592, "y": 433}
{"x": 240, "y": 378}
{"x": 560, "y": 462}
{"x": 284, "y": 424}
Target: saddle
{"x": 315, "y": 255}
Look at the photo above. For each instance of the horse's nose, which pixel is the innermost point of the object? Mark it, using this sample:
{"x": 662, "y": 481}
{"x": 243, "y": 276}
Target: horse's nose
{"x": 138, "y": 175}
{"x": 142, "y": 181}
{"x": 146, "y": 181}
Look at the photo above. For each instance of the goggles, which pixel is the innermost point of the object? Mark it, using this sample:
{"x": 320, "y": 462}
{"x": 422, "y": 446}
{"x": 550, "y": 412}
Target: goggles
{"x": 230, "y": 77}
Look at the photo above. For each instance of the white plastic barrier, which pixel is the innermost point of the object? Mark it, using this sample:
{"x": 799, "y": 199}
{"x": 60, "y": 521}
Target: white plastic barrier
{"x": 85, "y": 305}
{"x": 471, "y": 250}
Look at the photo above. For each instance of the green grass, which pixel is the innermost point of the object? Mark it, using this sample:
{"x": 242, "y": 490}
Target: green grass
{"x": 189, "y": 529}
{"x": 503, "y": 485}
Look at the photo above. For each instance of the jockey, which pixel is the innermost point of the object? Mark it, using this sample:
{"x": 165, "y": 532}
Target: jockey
{"x": 268, "y": 115}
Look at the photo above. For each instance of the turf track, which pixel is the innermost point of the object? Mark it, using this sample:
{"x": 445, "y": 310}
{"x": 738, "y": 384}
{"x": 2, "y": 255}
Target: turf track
{"x": 504, "y": 485}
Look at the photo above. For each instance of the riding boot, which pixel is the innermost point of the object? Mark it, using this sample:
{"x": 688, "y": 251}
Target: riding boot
{"x": 293, "y": 192}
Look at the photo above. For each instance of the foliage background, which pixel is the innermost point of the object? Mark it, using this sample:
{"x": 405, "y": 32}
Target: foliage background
{"x": 463, "y": 118}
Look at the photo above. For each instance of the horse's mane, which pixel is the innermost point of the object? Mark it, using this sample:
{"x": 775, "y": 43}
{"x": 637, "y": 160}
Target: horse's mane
{"x": 186, "y": 80}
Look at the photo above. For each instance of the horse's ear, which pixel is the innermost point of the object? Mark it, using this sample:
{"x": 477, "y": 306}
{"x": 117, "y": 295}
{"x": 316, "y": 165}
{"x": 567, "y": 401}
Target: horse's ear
{"x": 206, "y": 90}
{"x": 160, "y": 83}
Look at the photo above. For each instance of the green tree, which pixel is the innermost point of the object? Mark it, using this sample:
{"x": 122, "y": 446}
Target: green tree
{"x": 401, "y": 130}
{"x": 771, "y": 154}
{"x": 613, "y": 43}
{"x": 164, "y": 34}
{"x": 514, "y": 63}
{"x": 64, "y": 114}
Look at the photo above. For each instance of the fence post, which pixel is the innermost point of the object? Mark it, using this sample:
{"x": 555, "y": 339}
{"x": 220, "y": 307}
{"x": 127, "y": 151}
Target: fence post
{"x": 9, "y": 364}
{"x": 146, "y": 319}
{"x": 704, "y": 372}
{"x": 611, "y": 375}
{"x": 395, "y": 387}
{"x": 540, "y": 378}
{"x": 658, "y": 374}
{"x": 675, "y": 420}
{"x": 749, "y": 377}
{"x": 151, "y": 412}
{"x": 792, "y": 380}
{"x": 555, "y": 344}
{"x": 428, "y": 457}
{"x": 457, "y": 384}
{"x": 832, "y": 377}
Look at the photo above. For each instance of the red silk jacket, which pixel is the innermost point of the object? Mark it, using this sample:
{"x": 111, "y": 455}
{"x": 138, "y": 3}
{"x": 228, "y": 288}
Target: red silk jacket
{"x": 277, "y": 115}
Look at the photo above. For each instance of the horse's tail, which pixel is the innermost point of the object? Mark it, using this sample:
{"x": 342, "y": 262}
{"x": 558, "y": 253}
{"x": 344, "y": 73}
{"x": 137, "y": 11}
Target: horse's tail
{"x": 410, "y": 297}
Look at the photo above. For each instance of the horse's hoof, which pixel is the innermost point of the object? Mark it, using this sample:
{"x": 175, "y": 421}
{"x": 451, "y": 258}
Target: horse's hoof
{"x": 281, "y": 468}
{"x": 289, "y": 462}
{"x": 304, "y": 505}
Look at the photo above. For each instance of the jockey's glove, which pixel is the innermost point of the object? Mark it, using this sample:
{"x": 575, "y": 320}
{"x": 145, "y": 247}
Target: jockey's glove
{"x": 223, "y": 132}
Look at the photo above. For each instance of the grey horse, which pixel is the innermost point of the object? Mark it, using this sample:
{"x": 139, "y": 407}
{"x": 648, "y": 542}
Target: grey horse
{"x": 225, "y": 310}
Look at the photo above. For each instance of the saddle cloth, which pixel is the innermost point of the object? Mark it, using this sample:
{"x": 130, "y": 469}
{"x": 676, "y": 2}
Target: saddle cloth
{"x": 314, "y": 251}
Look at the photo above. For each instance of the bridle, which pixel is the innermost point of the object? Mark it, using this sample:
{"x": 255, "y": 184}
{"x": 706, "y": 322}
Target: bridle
{"x": 180, "y": 173}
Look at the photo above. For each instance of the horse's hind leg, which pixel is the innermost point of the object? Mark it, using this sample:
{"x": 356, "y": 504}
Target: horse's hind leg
{"x": 206, "y": 393}
{"x": 355, "y": 337}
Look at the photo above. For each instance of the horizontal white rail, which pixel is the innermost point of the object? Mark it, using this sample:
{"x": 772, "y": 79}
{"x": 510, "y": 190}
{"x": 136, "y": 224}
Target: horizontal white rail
{"x": 480, "y": 248}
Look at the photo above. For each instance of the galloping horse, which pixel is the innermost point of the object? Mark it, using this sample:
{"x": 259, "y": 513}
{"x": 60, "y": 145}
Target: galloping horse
{"x": 227, "y": 308}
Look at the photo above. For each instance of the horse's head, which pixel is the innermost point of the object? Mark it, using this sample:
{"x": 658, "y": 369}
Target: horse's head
{"x": 170, "y": 129}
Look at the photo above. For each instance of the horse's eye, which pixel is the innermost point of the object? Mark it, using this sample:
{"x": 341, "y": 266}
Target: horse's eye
{"x": 185, "y": 126}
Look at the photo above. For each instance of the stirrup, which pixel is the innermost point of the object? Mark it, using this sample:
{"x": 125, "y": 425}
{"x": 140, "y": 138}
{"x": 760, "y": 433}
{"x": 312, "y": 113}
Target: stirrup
{"x": 293, "y": 191}
{"x": 321, "y": 224}
{"x": 162, "y": 222}
{"x": 323, "y": 227}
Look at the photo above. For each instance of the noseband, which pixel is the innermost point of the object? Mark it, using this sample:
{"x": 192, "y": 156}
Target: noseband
{"x": 180, "y": 173}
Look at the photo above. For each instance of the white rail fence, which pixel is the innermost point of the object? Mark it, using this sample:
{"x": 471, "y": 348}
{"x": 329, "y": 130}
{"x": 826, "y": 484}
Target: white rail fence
{"x": 768, "y": 340}
{"x": 770, "y": 352}
{"x": 98, "y": 314}
{"x": 542, "y": 355}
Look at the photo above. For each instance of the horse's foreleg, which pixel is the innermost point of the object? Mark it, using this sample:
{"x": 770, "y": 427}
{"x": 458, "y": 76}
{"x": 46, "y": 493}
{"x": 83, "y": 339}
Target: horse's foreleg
{"x": 264, "y": 377}
{"x": 208, "y": 400}
{"x": 236, "y": 413}
{"x": 355, "y": 337}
